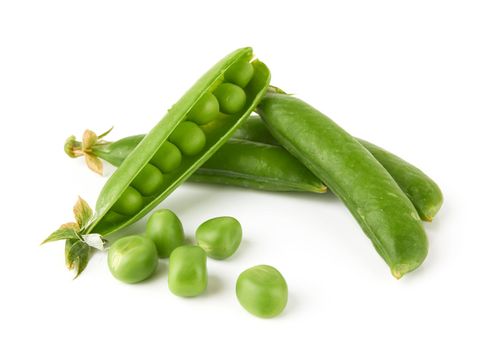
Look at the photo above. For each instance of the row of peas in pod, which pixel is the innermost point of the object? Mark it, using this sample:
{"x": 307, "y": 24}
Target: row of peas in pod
{"x": 187, "y": 140}
{"x": 261, "y": 290}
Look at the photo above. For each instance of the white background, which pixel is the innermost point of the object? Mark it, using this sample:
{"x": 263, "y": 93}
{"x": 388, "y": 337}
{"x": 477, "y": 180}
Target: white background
{"x": 416, "y": 77}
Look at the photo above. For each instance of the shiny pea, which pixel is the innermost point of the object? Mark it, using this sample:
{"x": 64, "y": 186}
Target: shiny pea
{"x": 132, "y": 259}
{"x": 189, "y": 138}
{"x": 219, "y": 237}
{"x": 167, "y": 158}
{"x": 149, "y": 180}
{"x": 129, "y": 203}
{"x": 231, "y": 98}
{"x": 205, "y": 110}
{"x": 187, "y": 271}
{"x": 262, "y": 291}
{"x": 240, "y": 73}
{"x": 165, "y": 229}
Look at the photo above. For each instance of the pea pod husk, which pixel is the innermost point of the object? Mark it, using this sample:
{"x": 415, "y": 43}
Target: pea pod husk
{"x": 384, "y": 212}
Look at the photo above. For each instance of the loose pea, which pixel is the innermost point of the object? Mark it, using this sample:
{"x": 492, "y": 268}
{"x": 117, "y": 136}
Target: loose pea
{"x": 262, "y": 291}
{"x": 219, "y": 237}
{"x": 231, "y": 98}
{"x": 167, "y": 158}
{"x": 129, "y": 203}
{"x": 205, "y": 110}
{"x": 165, "y": 229}
{"x": 187, "y": 271}
{"x": 149, "y": 180}
{"x": 240, "y": 73}
{"x": 189, "y": 138}
{"x": 132, "y": 259}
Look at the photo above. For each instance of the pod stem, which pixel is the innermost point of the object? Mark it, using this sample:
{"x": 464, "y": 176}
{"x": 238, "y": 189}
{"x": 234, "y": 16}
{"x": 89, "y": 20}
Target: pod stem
{"x": 85, "y": 148}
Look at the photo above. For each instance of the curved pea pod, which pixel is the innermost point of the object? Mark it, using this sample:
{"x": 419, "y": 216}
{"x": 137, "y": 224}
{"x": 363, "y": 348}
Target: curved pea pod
{"x": 378, "y": 204}
{"x": 196, "y": 142}
{"x": 260, "y": 166}
{"x": 423, "y": 192}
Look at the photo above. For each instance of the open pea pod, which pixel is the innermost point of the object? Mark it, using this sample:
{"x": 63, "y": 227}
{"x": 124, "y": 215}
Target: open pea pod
{"x": 191, "y": 132}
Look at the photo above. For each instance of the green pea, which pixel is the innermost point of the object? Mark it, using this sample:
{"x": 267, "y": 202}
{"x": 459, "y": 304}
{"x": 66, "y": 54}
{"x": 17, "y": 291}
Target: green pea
{"x": 189, "y": 138}
{"x": 167, "y": 158}
{"x": 132, "y": 259}
{"x": 262, "y": 291}
{"x": 231, "y": 98}
{"x": 148, "y": 181}
{"x": 205, "y": 110}
{"x": 219, "y": 237}
{"x": 129, "y": 203}
{"x": 187, "y": 271}
{"x": 165, "y": 229}
{"x": 240, "y": 73}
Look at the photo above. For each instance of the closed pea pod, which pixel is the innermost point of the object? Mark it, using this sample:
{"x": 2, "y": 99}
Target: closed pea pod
{"x": 384, "y": 212}
{"x": 218, "y": 132}
{"x": 219, "y": 237}
{"x": 187, "y": 271}
{"x": 166, "y": 230}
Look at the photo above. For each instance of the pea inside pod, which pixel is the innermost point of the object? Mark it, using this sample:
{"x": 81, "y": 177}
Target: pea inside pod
{"x": 196, "y": 143}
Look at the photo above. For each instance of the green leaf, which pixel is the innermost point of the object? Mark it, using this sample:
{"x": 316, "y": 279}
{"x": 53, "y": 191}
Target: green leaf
{"x": 69, "y": 243}
{"x": 82, "y": 212}
{"x": 77, "y": 257}
{"x": 62, "y": 233}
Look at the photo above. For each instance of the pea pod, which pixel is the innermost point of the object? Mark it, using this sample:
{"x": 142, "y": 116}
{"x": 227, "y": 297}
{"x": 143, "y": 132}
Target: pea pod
{"x": 259, "y": 164}
{"x": 384, "y": 212}
{"x": 197, "y": 143}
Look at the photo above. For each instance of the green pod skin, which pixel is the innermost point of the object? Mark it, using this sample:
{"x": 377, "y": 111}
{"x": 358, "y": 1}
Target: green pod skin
{"x": 259, "y": 166}
{"x": 219, "y": 237}
{"x": 423, "y": 192}
{"x": 262, "y": 291}
{"x": 216, "y": 134}
{"x": 166, "y": 231}
{"x": 187, "y": 271}
{"x": 384, "y": 212}
{"x": 132, "y": 259}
